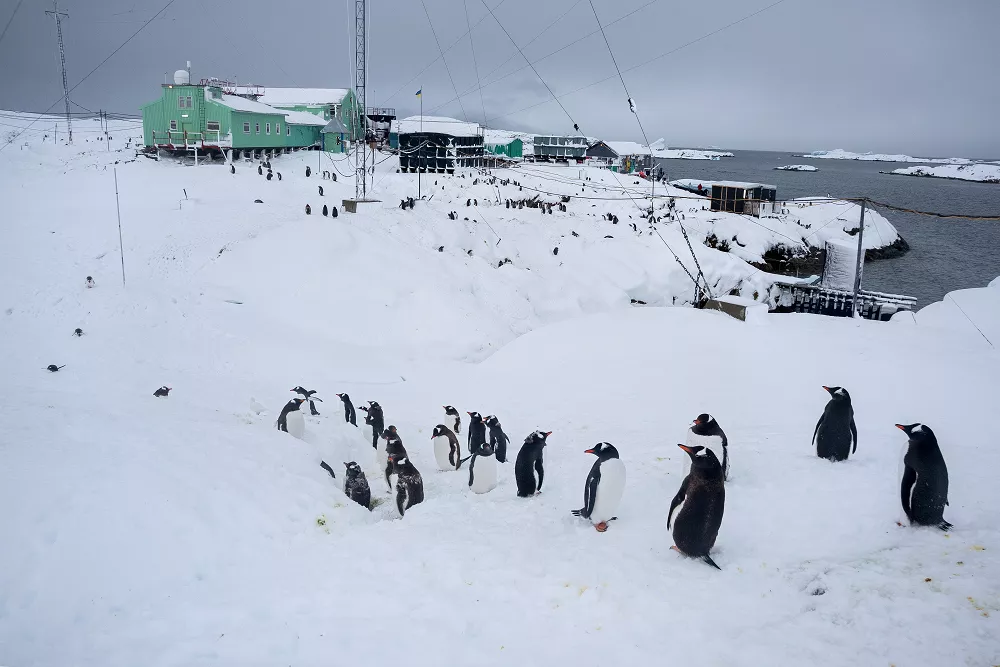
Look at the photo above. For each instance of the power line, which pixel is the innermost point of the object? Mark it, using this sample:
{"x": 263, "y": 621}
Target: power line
{"x": 441, "y": 51}
{"x": 10, "y": 20}
{"x": 472, "y": 43}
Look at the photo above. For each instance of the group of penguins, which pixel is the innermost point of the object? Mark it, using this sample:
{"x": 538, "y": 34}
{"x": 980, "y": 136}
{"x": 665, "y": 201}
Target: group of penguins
{"x": 699, "y": 503}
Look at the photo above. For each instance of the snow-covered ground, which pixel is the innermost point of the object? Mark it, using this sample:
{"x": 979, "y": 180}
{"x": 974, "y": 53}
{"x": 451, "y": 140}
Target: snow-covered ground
{"x": 188, "y": 530}
{"x": 841, "y": 154}
{"x": 797, "y": 167}
{"x": 984, "y": 173}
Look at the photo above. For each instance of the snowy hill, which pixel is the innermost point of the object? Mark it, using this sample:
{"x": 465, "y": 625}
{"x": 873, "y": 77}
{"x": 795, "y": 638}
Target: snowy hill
{"x": 188, "y": 530}
{"x": 984, "y": 173}
{"x": 841, "y": 154}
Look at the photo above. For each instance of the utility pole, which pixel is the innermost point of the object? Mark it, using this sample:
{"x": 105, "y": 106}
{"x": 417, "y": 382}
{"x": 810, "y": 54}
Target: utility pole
{"x": 861, "y": 259}
{"x": 419, "y": 166}
{"x": 62, "y": 59}
{"x": 361, "y": 100}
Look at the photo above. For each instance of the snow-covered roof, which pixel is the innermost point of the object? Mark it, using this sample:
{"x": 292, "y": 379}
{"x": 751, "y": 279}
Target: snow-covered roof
{"x": 303, "y": 118}
{"x": 303, "y": 96}
{"x": 440, "y": 124}
{"x": 243, "y": 104}
{"x": 741, "y": 184}
{"x": 627, "y": 148}
{"x": 334, "y": 126}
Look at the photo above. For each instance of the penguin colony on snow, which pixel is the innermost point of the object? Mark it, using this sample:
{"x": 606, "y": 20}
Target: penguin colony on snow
{"x": 696, "y": 511}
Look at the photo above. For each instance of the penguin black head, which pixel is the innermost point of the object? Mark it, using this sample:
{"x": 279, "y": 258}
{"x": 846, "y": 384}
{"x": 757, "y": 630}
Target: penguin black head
{"x": 344, "y": 397}
{"x": 450, "y": 410}
{"x": 702, "y": 458}
{"x": 838, "y": 393}
{"x": 374, "y": 404}
{"x": 917, "y": 432}
{"x": 439, "y": 430}
{"x": 537, "y": 438}
{"x": 390, "y": 433}
{"x": 492, "y": 421}
{"x": 603, "y": 451}
{"x": 353, "y": 469}
{"x": 475, "y": 417}
{"x": 78, "y": 331}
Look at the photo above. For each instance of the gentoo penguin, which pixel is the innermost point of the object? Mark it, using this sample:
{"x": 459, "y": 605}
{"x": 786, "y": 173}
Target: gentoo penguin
{"x": 52, "y": 368}
{"x": 477, "y": 432}
{"x": 291, "y": 420}
{"x": 924, "y": 490}
{"x": 356, "y": 485}
{"x": 90, "y": 281}
{"x": 451, "y": 412}
{"x": 703, "y": 494}
{"x": 232, "y": 169}
{"x": 528, "y": 470}
{"x": 446, "y": 448}
{"x": 349, "y": 415}
{"x": 483, "y": 470}
{"x": 308, "y": 395}
{"x": 602, "y": 493}
{"x": 409, "y": 484}
{"x": 393, "y": 449}
{"x": 498, "y": 439}
{"x": 835, "y": 431}
{"x": 162, "y": 391}
{"x": 705, "y": 431}
{"x": 260, "y": 170}
{"x": 375, "y": 420}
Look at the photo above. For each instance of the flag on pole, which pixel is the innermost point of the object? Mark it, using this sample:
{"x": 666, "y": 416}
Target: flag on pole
{"x": 420, "y": 91}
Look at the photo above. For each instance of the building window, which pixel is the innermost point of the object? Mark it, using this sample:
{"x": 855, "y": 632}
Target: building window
{"x": 288, "y": 130}
{"x": 268, "y": 126}
{"x": 189, "y": 102}
{"x": 212, "y": 126}
{"x": 257, "y": 128}
{"x": 277, "y": 128}
{"x": 173, "y": 125}
{"x": 246, "y": 128}
{"x": 184, "y": 102}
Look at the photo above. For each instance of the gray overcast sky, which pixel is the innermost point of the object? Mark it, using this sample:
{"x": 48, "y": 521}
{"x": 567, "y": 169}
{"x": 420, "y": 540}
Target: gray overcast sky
{"x": 908, "y": 76}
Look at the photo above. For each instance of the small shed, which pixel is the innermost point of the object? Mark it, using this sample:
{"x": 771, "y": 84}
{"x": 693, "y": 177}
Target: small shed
{"x": 754, "y": 199}
{"x": 334, "y": 136}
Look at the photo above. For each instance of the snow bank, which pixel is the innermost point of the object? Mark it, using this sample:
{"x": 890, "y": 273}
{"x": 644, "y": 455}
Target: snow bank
{"x": 974, "y": 312}
{"x": 189, "y": 531}
{"x": 984, "y": 173}
{"x": 689, "y": 154}
{"x": 841, "y": 154}
{"x": 797, "y": 167}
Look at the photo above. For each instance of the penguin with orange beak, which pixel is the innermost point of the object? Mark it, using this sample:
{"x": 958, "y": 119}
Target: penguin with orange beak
{"x": 602, "y": 492}
{"x": 836, "y": 436}
{"x": 528, "y": 470}
{"x": 702, "y": 501}
{"x": 705, "y": 431}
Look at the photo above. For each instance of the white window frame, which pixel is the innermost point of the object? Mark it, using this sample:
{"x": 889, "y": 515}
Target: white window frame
{"x": 288, "y": 130}
{"x": 209, "y": 123}
{"x": 277, "y": 128}
{"x": 267, "y": 126}
{"x": 257, "y": 128}
{"x": 246, "y": 127}
{"x": 173, "y": 126}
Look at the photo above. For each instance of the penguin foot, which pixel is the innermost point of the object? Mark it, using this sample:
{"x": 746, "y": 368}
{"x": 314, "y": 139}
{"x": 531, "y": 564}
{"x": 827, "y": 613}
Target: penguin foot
{"x": 601, "y": 527}
{"x": 944, "y": 525}
{"x": 674, "y": 548}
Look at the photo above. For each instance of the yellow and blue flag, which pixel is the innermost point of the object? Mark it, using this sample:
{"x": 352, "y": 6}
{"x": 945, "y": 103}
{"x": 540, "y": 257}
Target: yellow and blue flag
{"x": 420, "y": 91}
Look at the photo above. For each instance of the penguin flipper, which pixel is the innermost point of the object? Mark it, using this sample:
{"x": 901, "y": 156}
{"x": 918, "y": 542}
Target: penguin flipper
{"x": 708, "y": 559}
{"x": 909, "y": 479}
{"x": 816, "y": 430}
{"x": 325, "y": 466}
{"x": 678, "y": 499}
{"x": 461, "y": 461}
{"x": 854, "y": 436}
{"x": 590, "y": 493}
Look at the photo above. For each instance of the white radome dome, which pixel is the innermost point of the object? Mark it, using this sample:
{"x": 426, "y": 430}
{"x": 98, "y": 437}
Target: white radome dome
{"x": 181, "y": 77}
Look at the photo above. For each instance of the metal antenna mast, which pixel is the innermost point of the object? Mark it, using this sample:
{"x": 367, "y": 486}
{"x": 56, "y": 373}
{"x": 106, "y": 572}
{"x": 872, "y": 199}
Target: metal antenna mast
{"x": 62, "y": 59}
{"x": 360, "y": 76}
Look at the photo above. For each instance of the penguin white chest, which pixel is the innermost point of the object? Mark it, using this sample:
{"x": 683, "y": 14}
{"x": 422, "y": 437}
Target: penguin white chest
{"x": 296, "y": 424}
{"x": 484, "y": 474}
{"x": 610, "y": 488}
{"x": 442, "y": 450}
{"x": 713, "y": 442}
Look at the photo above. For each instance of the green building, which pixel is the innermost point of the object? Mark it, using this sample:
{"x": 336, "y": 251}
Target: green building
{"x": 210, "y": 118}
{"x": 513, "y": 148}
{"x": 327, "y": 103}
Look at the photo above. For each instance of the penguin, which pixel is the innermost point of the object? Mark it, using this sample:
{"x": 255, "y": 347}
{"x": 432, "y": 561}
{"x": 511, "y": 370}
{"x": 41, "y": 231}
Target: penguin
{"x": 308, "y": 210}
{"x": 52, "y": 368}
{"x": 162, "y": 391}
{"x": 924, "y": 488}
{"x": 326, "y": 211}
{"x": 308, "y": 395}
{"x": 483, "y": 470}
{"x": 333, "y": 212}
{"x": 835, "y": 431}
{"x": 232, "y": 169}
{"x": 291, "y": 420}
{"x": 477, "y": 432}
{"x": 393, "y": 449}
{"x": 356, "y": 485}
{"x": 703, "y": 494}
{"x": 279, "y": 175}
{"x": 498, "y": 439}
{"x": 320, "y": 190}
{"x": 349, "y": 415}
{"x": 447, "y": 451}
{"x": 409, "y": 484}
{"x": 451, "y": 412}
{"x": 705, "y": 431}
{"x": 260, "y": 170}
{"x": 78, "y": 332}
{"x": 375, "y": 420}
{"x": 528, "y": 470}
{"x": 269, "y": 175}
{"x": 90, "y": 282}
{"x": 308, "y": 172}
{"x": 602, "y": 492}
